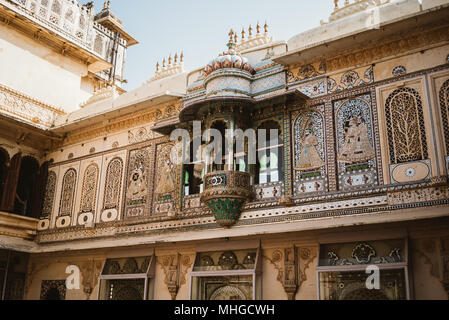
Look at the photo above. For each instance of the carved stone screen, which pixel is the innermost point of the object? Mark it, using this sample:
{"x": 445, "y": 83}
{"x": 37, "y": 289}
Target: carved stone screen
{"x": 343, "y": 270}
{"x": 225, "y": 275}
{"x": 351, "y": 285}
{"x": 224, "y": 288}
{"x": 126, "y": 279}
{"x": 123, "y": 289}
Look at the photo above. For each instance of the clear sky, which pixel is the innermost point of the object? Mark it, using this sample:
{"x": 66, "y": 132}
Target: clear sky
{"x": 200, "y": 27}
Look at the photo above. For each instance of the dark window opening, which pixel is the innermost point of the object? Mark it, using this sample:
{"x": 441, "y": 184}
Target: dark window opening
{"x": 194, "y": 173}
{"x": 26, "y": 186}
{"x": 270, "y": 157}
{"x": 221, "y": 126}
{"x": 3, "y": 161}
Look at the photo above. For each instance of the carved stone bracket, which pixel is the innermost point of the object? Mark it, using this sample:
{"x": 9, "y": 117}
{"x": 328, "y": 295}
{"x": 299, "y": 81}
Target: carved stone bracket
{"x": 285, "y": 261}
{"x": 175, "y": 268}
{"x": 306, "y": 257}
{"x": 90, "y": 271}
{"x": 292, "y": 264}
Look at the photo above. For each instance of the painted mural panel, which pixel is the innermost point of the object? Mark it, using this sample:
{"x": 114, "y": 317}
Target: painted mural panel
{"x": 138, "y": 183}
{"x": 309, "y": 151}
{"x": 166, "y": 181}
{"x": 356, "y": 154}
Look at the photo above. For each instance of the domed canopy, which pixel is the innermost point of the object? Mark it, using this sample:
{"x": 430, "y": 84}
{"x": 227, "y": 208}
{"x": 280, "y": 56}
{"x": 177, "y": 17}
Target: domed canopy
{"x": 229, "y": 59}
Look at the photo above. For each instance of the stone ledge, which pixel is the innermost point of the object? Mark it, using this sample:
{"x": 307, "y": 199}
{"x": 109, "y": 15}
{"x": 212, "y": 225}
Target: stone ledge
{"x": 12, "y": 225}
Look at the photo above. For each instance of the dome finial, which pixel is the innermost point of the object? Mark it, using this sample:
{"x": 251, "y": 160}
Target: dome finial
{"x": 243, "y": 34}
{"x": 231, "y": 35}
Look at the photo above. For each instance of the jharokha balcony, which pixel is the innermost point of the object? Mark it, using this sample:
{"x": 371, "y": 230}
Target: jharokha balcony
{"x": 225, "y": 194}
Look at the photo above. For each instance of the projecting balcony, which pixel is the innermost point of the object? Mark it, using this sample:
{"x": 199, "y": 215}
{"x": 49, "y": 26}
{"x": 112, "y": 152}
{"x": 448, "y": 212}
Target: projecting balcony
{"x": 225, "y": 193}
{"x": 12, "y": 225}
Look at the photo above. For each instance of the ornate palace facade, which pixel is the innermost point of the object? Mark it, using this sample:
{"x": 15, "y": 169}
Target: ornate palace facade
{"x": 358, "y": 176}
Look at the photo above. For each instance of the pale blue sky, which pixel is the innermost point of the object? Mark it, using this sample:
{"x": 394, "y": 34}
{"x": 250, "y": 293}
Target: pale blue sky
{"x": 200, "y": 27}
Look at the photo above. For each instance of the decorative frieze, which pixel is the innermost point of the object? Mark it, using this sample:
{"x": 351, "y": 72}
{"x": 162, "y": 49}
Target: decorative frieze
{"x": 37, "y": 113}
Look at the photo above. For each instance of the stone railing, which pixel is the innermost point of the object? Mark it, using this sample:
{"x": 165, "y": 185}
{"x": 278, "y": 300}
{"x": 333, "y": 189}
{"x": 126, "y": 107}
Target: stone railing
{"x": 170, "y": 69}
{"x": 69, "y": 19}
{"x": 350, "y": 7}
{"x": 253, "y": 40}
{"x": 37, "y": 113}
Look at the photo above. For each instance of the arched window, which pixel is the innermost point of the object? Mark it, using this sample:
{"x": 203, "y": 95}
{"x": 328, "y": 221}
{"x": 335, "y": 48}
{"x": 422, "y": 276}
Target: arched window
{"x": 68, "y": 193}
{"x": 26, "y": 184}
{"x": 270, "y": 160}
{"x": 89, "y": 190}
{"x": 406, "y": 129}
{"x": 113, "y": 184}
{"x": 444, "y": 105}
{"x": 4, "y": 158}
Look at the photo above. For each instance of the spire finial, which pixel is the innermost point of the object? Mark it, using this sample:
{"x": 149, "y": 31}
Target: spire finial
{"x": 266, "y": 27}
{"x": 164, "y": 62}
{"x": 258, "y": 27}
{"x": 336, "y": 4}
{"x": 236, "y": 38}
{"x": 169, "y": 60}
{"x": 243, "y": 34}
{"x": 157, "y": 67}
{"x": 182, "y": 56}
{"x": 176, "y": 58}
{"x": 250, "y": 30}
{"x": 231, "y": 35}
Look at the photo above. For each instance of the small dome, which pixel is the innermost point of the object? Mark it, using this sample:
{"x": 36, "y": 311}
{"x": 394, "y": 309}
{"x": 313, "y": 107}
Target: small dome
{"x": 229, "y": 59}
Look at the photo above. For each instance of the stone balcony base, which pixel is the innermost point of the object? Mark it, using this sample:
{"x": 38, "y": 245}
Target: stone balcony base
{"x": 12, "y": 225}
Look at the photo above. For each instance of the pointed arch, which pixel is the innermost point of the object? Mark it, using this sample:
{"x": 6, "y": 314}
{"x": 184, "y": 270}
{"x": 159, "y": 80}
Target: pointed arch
{"x": 68, "y": 193}
{"x": 444, "y": 107}
{"x": 89, "y": 190}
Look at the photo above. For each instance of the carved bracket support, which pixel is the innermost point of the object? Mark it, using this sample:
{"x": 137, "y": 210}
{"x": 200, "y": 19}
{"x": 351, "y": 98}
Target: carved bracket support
{"x": 175, "y": 268}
